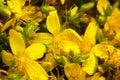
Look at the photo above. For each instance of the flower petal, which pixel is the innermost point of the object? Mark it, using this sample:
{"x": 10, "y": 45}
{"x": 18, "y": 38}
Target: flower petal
{"x": 90, "y": 65}
{"x": 49, "y": 62}
{"x": 17, "y": 43}
{"x": 35, "y": 71}
{"x": 35, "y": 51}
{"x": 22, "y": 2}
{"x": 53, "y": 23}
{"x": 45, "y": 38}
{"x": 101, "y": 50}
{"x": 73, "y": 71}
{"x": 67, "y": 41}
{"x": 15, "y": 6}
{"x": 32, "y": 69}
{"x": 90, "y": 32}
{"x": 67, "y": 46}
{"x": 116, "y": 12}
{"x": 7, "y": 57}
{"x": 8, "y": 24}
{"x": 96, "y": 76}
{"x": 71, "y": 35}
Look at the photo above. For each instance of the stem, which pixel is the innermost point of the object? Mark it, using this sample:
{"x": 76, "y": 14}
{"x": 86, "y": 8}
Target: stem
{"x": 3, "y": 71}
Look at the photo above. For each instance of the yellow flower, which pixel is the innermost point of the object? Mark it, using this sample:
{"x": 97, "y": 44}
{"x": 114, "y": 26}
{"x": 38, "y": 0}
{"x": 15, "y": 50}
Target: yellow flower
{"x": 15, "y": 7}
{"x": 25, "y": 57}
{"x": 22, "y": 13}
{"x": 63, "y": 41}
{"x": 103, "y": 51}
{"x": 112, "y": 27}
{"x": 112, "y": 23}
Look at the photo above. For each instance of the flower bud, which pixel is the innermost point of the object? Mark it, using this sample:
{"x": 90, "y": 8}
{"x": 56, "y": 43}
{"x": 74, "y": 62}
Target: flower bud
{"x": 47, "y": 8}
{"x": 4, "y": 11}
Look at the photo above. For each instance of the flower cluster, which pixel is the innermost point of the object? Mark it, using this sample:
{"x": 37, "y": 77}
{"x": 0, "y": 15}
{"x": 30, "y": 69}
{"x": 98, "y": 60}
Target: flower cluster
{"x": 59, "y": 40}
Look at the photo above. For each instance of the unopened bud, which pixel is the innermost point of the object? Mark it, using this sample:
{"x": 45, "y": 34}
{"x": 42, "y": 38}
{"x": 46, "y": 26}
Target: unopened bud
{"x": 47, "y": 8}
{"x": 4, "y": 11}
{"x": 19, "y": 28}
{"x": 87, "y": 6}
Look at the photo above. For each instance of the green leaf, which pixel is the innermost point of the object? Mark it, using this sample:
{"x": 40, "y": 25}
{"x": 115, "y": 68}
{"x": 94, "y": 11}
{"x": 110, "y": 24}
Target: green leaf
{"x": 14, "y": 76}
{"x": 13, "y": 63}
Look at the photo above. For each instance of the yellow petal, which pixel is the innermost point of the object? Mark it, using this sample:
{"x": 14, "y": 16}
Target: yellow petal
{"x": 113, "y": 23}
{"x": 15, "y": 6}
{"x": 35, "y": 51}
{"x": 8, "y": 24}
{"x": 53, "y": 23}
{"x": 32, "y": 69}
{"x": 90, "y": 32}
{"x": 64, "y": 47}
{"x": 86, "y": 50}
{"x": 71, "y": 35}
{"x": 17, "y": 43}
{"x": 62, "y": 1}
{"x": 90, "y": 65}
{"x": 67, "y": 46}
{"x": 116, "y": 12}
{"x": 36, "y": 72}
{"x": 73, "y": 71}
{"x": 22, "y": 2}
{"x": 50, "y": 58}
{"x": 7, "y": 57}
{"x": 89, "y": 37}
{"x": 101, "y": 50}
{"x": 67, "y": 41}
{"x": 47, "y": 65}
{"x": 96, "y": 76}
{"x": 45, "y": 38}
{"x": 102, "y": 5}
